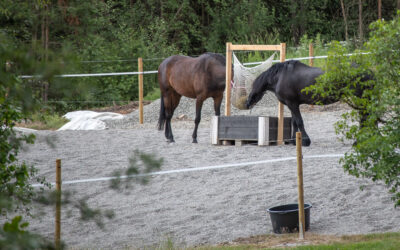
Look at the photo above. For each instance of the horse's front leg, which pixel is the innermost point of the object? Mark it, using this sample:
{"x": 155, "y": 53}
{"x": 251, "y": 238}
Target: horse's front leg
{"x": 199, "y": 105}
{"x": 298, "y": 120}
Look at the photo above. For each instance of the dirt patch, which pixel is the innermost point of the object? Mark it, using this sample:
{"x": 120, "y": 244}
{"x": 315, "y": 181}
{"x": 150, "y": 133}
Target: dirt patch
{"x": 285, "y": 240}
{"x": 208, "y": 194}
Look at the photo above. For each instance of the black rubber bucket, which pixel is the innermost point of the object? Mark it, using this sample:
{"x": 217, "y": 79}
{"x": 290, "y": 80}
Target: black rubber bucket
{"x": 285, "y": 218}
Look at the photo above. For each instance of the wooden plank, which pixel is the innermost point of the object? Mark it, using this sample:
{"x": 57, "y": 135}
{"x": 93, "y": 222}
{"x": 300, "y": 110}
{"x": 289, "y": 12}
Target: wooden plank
{"x": 57, "y": 236}
{"x": 280, "y": 106}
{"x": 228, "y": 133}
{"x": 274, "y": 128}
{"x": 228, "y": 79}
{"x": 239, "y": 143}
{"x": 302, "y": 223}
{"x": 238, "y": 121}
{"x": 311, "y": 54}
{"x": 140, "y": 69}
{"x": 254, "y": 47}
{"x": 248, "y": 128}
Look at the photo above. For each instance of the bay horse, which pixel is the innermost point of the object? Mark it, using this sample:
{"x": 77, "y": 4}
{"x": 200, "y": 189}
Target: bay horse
{"x": 194, "y": 77}
{"x": 287, "y": 80}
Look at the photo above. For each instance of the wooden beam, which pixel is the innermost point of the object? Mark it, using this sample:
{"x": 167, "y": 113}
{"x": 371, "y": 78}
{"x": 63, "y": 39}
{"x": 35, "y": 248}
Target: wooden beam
{"x": 140, "y": 69}
{"x": 229, "y": 48}
{"x": 280, "y": 105}
{"x": 254, "y": 47}
{"x": 57, "y": 234}
{"x": 302, "y": 224}
{"x": 228, "y": 79}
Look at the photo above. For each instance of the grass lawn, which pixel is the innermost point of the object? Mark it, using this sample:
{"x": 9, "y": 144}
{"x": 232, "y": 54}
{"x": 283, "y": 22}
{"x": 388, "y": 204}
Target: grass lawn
{"x": 313, "y": 241}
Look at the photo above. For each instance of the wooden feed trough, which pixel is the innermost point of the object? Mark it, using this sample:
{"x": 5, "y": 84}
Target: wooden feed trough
{"x": 248, "y": 129}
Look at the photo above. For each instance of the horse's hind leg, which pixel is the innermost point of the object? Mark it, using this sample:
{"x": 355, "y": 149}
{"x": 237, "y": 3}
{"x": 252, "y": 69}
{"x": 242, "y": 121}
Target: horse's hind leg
{"x": 171, "y": 101}
{"x": 217, "y": 104}
{"x": 298, "y": 120}
{"x": 199, "y": 105}
{"x": 295, "y": 128}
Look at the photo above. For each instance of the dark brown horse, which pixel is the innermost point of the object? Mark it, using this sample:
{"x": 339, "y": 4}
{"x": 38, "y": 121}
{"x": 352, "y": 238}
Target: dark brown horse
{"x": 199, "y": 78}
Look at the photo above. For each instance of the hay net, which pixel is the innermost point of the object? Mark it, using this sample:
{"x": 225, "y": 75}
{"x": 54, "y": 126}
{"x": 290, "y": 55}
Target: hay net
{"x": 243, "y": 79}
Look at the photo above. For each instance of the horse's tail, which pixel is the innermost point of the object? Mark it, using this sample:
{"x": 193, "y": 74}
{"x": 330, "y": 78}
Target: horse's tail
{"x": 161, "y": 119}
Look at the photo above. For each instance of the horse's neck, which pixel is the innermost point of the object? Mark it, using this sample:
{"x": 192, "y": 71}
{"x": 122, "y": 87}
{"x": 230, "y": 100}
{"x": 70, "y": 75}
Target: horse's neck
{"x": 272, "y": 82}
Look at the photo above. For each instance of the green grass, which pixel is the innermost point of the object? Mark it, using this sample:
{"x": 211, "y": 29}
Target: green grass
{"x": 385, "y": 241}
{"x": 40, "y": 121}
{"x": 153, "y": 95}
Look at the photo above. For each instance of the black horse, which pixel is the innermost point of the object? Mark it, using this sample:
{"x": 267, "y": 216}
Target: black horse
{"x": 287, "y": 80}
{"x": 199, "y": 78}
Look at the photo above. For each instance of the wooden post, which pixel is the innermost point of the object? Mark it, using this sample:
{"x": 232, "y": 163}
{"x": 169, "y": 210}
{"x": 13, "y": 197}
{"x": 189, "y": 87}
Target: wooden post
{"x": 228, "y": 79}
{"x": 300, "y": 186}
{"x": 311, "y": 60}
{"x": 311, "y": 54}
{"x": 58, "y": 205}
{"x": 280, "y": 105}
{"x": 379, "y": 9}
{"x": 140, "y": 66}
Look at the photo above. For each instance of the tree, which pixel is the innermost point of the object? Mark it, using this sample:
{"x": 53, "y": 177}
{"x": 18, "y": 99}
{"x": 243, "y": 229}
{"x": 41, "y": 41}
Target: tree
{"x": 376, "y": 154}
{"x": 17, "y": 195}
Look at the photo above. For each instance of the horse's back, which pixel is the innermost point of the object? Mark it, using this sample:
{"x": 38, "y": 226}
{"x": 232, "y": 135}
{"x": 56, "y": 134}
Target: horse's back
{"x": 173, "y": 73}
{"x": 302, "y": 74}
{"x": 189, "y": 76}
{"x": 294, "y": 79}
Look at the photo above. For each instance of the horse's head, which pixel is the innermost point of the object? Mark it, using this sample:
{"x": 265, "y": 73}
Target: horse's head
{"x": 257, "y": 91}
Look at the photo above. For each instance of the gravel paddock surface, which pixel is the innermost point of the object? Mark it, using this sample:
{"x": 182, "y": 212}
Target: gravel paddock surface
{"x": 206, "y": 206}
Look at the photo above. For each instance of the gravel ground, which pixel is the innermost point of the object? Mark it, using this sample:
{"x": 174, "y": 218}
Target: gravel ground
{"x": 206, "y": 206}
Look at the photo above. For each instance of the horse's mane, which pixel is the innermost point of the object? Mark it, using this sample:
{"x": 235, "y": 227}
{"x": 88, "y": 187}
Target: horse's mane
{"x": 278, "y": 67}
{"x": 273, "y": 71}
{"x": 220, "y": 58}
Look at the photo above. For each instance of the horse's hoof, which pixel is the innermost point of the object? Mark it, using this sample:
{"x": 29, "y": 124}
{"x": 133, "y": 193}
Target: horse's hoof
{"x": 170, "y": 140}
{"x": 306, "y": 142}
{"x": 194, "y": 141}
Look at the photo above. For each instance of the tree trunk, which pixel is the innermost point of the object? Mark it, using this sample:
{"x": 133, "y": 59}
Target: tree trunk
{"x": 45, "y": 35}
{"x": 161, "y": 9}
{"x": 346, "y": 33}
{"x": 398, "y": 4}
{"x": 379, "y": 9}
{"x": 360, "y": 22}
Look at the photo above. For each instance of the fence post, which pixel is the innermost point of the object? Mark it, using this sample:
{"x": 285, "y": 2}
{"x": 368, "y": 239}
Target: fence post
{"x": 228, "y": 79}
{"x": 58, "y": 205}
{"x": 281, "y": 108}
{"x": 311, "y": 54}
{"x": 311, "y": 60}
{"x": 300, "y": 186}
{"x": 140, "y": 66}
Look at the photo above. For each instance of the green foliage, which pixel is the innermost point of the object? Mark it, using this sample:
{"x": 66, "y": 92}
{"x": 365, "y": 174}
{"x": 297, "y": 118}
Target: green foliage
{"x": 376, "y": 155}
{"x": 153, "y": 95}
{"x": 44, "y": 121}
{"x": 13, "y": 235}
{"x": 109, "y": 36}
{"x": 17, "y": 103}
{"x": 140, "y": 165}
